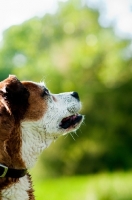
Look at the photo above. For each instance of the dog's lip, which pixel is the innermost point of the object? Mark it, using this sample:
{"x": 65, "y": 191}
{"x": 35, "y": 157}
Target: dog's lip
{"x": 71, "y": 121}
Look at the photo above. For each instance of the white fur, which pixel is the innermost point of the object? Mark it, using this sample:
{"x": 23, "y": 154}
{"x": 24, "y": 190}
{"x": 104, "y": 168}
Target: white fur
{"x": 17, "y": 190}
{"x": 34, "y": 142}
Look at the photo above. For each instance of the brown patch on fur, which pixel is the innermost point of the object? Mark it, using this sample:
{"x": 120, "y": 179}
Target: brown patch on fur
{"x": 13, "y": 147}
{"x": 6, "y": 128}
{"x": 13, "y": 105}
{"x": 31, "y": 190}
{"x": 37, "y": 104}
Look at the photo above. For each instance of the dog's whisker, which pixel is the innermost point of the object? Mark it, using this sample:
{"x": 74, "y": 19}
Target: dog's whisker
{"x": 80, "y": 131}
{"x": 76, "y": 134}
{"x": 72, "y": 136}
{"x": 84, "y": 123}
{"x": 66, "y": 136}
{"x": 44, "y": 78}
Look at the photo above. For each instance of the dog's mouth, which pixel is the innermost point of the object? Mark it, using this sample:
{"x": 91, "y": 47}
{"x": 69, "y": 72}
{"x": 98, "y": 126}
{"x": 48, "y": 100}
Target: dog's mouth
{"x": 71, "y": 121}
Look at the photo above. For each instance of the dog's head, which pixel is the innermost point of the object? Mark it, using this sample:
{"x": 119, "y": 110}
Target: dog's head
{"x": 56, "y": 113}
{"x": 39, "y": 115}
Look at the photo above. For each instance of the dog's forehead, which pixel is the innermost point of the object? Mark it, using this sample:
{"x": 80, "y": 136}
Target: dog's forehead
{"x": 31, "y": 86}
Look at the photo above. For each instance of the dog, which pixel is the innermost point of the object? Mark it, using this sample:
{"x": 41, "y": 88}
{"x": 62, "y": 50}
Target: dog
{"x": 31, "y": 117}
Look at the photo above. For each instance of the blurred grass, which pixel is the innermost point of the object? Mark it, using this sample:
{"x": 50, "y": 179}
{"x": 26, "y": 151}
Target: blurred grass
{"x": 107, "y": 186}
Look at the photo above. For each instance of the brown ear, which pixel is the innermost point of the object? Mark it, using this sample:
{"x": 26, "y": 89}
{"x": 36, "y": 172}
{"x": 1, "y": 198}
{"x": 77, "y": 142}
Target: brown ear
{"x": 6, "y": 128}
{"x": 6, "y": 123}
{"x": 15, "y": 96}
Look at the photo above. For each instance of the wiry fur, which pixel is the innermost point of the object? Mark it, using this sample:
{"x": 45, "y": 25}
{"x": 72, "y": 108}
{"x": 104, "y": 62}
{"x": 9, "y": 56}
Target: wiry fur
{"x": 30, "y": 119}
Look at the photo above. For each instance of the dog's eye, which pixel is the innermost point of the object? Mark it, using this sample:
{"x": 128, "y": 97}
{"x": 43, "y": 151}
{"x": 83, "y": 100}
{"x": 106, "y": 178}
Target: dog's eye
{"x": 45, "y": 92}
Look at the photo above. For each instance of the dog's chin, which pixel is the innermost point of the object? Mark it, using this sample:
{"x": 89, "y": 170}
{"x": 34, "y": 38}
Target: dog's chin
{"x": 71, "y": 123}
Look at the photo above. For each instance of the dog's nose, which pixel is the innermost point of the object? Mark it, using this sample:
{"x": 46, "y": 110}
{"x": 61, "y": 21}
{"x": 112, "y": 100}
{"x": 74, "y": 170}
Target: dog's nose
{"x": 75, "y": 95}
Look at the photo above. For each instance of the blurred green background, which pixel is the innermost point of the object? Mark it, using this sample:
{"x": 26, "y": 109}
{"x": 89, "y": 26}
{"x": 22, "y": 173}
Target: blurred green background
{"x": 70, "y": 51}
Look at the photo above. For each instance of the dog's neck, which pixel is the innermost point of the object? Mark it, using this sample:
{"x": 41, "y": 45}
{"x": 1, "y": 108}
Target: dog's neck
{"x": 34, "y": 141}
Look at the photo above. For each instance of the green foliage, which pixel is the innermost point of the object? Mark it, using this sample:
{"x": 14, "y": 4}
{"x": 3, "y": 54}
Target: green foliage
{"x": 73, "y": 53}
{"x": 115, "y": 186}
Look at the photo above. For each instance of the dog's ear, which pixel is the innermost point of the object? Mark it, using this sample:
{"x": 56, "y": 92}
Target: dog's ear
{"x": 15, "y": 96}
{"x": 13, "y": 105}
{"x": 7, "y": 123}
